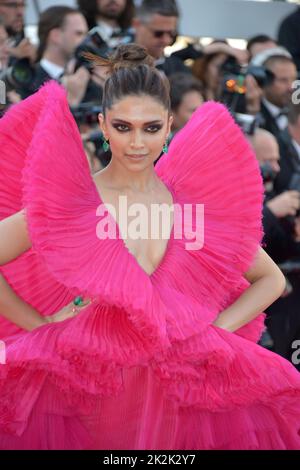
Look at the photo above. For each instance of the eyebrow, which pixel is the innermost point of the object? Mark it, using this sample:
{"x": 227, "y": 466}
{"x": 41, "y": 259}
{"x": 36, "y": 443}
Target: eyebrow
{"x": 121, "y": 121}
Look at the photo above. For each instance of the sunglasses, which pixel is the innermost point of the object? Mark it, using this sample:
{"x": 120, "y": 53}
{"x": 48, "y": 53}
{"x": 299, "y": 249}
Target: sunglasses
{"x": 160, "y": 33}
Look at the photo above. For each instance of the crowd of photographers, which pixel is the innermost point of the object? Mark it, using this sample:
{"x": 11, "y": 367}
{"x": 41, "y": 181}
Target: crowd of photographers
{"x": 258, "y": 84}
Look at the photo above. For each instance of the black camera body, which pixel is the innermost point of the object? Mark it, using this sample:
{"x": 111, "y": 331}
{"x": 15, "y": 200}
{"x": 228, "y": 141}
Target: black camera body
{"x": 95, "y": 44}
{"x": 19, "y": 75}
{"x": 87, "y": 112}
{"x": 233, "y": 83}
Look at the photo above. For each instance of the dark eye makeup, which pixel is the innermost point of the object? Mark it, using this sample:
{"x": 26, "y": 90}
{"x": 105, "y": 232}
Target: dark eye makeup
{"x": 150, "y": 128}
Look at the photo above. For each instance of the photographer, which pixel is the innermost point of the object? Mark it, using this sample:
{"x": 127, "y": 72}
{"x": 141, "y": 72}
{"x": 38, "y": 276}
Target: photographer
{"x": 258, "y": 44}
{"x": 17, "y": 54}
{"x": 6, "y": 97}
{"x": 278, "y": 92}
{"x": 282, "y": 235}
{"x": 109, "y": 22}
{"x": 226, "y": 77}
{"x": 60, "y": 31}
{"x": 12, "y": 13}
{"x": 112, "y": 19}
{"x": 156, "y": 26}
{"x": 289, "y": 142}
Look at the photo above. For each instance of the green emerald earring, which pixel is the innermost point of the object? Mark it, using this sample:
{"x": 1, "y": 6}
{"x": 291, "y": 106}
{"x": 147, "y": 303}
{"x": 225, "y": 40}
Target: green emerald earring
{"x": 105, "y": 145}
{"x": 166, "y": 146}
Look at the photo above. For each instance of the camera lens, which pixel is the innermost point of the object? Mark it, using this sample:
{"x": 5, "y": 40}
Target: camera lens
{"x": 22, "y": 72}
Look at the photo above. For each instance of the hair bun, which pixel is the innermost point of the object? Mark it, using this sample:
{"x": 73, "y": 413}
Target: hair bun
{"x": 130, "y": 55}
{"x": 125, "y": 56}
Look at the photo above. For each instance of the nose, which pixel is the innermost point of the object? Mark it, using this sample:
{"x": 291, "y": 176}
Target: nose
{"x": 166, "y": 39}
{"x": 137, "y": 141}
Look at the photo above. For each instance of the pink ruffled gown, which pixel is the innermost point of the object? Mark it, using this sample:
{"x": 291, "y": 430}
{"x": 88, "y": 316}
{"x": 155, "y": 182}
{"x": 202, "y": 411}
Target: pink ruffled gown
{"x": 142, "y": 367}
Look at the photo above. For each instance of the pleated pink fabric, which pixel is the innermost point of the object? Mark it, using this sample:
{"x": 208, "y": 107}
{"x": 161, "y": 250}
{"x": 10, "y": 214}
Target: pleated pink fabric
{"x": 142, "y": 367}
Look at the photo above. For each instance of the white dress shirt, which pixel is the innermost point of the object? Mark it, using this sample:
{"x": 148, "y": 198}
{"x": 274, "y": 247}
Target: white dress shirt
{"x": 55, "y": 71}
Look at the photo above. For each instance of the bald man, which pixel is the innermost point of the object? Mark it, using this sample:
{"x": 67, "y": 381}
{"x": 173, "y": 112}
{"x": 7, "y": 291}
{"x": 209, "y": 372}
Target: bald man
{"x": 266, "y": 150}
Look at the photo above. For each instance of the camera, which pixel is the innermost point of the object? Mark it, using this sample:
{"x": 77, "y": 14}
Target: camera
{"x": 19, "y": 75}
{"x": 96, "y": 45}
{"x": 233, "y": 83}
{"x": 93, "y": 43}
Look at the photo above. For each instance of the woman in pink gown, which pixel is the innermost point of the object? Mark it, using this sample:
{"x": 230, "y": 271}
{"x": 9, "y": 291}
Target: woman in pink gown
{"x": 164, "y": 354}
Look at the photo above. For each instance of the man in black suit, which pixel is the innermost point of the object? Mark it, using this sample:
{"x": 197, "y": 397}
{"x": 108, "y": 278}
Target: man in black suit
{"x": 111, "y": 19}
{"x": 289, "y": 142}
{"x": 279, "y": 243}
{"x": 155, "y": 24}
{"x": 277, "y": 94}
{"x": 284, "y": 315}
{"x": 12, "y": 14}
{"x": 61, "y": 29}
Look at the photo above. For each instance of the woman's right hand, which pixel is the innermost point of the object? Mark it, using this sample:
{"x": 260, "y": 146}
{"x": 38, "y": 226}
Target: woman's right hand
{"x": 69, "y": 311}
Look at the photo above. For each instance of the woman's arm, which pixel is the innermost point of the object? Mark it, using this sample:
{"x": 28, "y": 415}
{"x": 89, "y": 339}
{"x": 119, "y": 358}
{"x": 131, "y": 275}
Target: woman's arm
{"x": 14, "y": 241}
{"x": 267, "y": 284}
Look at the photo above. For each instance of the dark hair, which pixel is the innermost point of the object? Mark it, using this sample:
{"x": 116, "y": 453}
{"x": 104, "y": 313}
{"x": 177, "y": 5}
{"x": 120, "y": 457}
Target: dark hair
{"x": 180, "y": 84}
{"x": 200, "y": 66}
{"x": 293, "y": 112}
{"x": 277, "y": 58}
{"x": 158, "y": 7}
{"x": 132, "y": 73}
{"x": 89, "y": 8}
{"x": 52, "y": 18}
{"x": 260, "y": 39}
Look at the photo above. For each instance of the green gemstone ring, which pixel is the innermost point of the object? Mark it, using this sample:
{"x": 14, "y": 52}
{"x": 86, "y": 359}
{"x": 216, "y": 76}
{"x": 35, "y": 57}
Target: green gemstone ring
{"x": 78, "y": 301}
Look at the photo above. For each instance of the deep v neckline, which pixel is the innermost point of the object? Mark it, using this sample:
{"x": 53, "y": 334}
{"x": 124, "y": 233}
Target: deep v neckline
{"x": 121, "y": 240}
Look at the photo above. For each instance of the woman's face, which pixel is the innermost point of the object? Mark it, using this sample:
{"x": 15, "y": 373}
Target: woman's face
{"x": 137, "y": 128}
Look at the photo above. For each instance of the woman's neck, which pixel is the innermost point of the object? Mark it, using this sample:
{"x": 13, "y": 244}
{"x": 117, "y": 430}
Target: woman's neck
{"x": 120, "y": 177}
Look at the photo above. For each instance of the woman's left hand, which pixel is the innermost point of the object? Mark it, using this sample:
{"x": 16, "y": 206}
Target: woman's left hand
{"x": 69, "y": 311}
